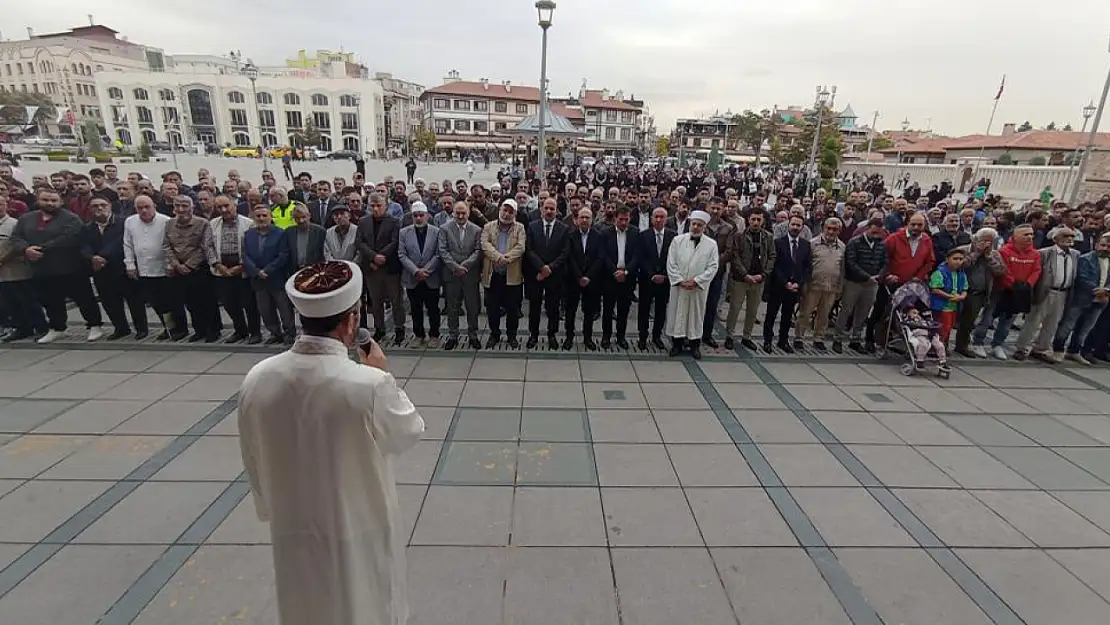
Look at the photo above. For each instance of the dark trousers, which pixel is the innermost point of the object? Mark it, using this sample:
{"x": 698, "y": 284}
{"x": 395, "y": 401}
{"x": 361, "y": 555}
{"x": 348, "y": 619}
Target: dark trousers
{"x": 1098, "y": 340}
{"x": 156, "y": 291}
{"x": 53, "y": 291}
{"x": 653, "y": 300}
{"x": 192, "y": 292}
{"x": 24, "y": 312}
{"x": 116, "y": 289}
{"x": 968, "y": 316}
{"x": 878, "y": 317}
{"x": 501, "y": 296}
{"x": 287, "y": 168}
{"x": 715, "y": 289}
{"x": 239, "y": 301}
{"x": 591, "y": 301}
{"x": 424, "y": 298}
{"x": 779, "y": 301}
{"x": 546, "y": 296}
{"x": 617, "y": 295}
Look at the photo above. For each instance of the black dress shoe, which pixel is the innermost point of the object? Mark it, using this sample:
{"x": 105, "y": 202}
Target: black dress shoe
{"x": 164, "y": 335}
{"x": 676, "y": 350}
{"x": 118, "y": 334}
{"x": 513, "y": 343}
{"x": 451, "y": 343}
{"x": 641, "y": 345}
{"x": 492, "y": 342}
{"x": 141, "y": 334}
{"x": 177, "y": 336}
{"x": 710, "y": 343}
{"x": 378, "y": 336}
{"x": 236, "y": 338}
{"x": 657, "y": 342}
{"x": 533, "y": 341}
{"x": 838, "y": 347}
{"x": 729, "y": 343}
{"x": 590, "y": 344}
{"x": 623, "y": 344}
{"x": 695, "y": 351}
{"x": 15, "y": 335}
{"x": 798, "y": 344}
{"x": 748, "y": 344}
{"x": 819, "y": 346}
{"x": 767, "y": 346}
{"x": 606, "y": 343}
{"x": 552, "y": 342}
{"x": 568, "y": 343}
{"x": 398, "y": 339}
{"x": 212, "y": 337}
{"x": 196, "y": 337}
{"x": 475, "y": 343}
{"x": 786, "y": 348}
{"x": 254, "y": 339}
{"x": 855, "y": 346}
{"x": 273, "y": 340}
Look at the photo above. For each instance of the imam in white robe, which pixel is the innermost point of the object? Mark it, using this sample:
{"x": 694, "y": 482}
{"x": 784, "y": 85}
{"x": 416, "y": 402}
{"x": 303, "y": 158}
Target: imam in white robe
{"x": 686, "y": 261}
{"x": 318, "y": 432}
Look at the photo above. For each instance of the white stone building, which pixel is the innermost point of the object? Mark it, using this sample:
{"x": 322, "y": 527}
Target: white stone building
{"x": 63, "y": 66}
{"x": 402, "y": 109}
{"x": 191, "y": 105}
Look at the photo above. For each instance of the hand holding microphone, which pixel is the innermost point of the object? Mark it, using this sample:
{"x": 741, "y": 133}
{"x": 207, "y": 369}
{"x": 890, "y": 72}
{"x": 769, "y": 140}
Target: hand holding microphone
{"x": 369, "y": 352}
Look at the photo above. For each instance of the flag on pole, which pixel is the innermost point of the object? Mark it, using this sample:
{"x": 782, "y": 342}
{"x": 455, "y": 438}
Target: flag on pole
{"x": 1000, "y": 88}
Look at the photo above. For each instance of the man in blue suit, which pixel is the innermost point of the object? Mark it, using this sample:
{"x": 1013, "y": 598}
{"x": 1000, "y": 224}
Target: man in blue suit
{"x": 1087, "y": 300}
{"x": 265, "y": 259}
{"x": 418, "y": 250}
{"x": 793, "y": 265}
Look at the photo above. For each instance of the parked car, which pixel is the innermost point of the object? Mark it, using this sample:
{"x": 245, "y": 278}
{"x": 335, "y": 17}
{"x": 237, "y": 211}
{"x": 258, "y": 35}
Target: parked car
{"x": 588, "y": 161}
{"x": 345, "y": 155}
{"x": 277, "y": 152}
{"x": 38, "y": 141}
{"x": 241, "y": 151}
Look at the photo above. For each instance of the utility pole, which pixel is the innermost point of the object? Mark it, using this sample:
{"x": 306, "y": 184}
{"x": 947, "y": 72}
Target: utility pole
{"x": 871, "y": 138}
{"x": 1090, "y": 143}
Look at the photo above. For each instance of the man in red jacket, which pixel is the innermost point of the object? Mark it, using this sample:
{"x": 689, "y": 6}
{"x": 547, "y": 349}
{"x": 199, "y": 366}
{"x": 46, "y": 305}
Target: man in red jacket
{"x": 909, "y": 256}
{"x": 1014, "y": 294}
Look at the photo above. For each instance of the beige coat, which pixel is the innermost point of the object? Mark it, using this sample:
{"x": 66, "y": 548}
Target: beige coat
{"x": 514, "y": 274}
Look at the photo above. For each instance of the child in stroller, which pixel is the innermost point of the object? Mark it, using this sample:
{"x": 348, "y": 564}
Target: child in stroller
{"x": 923, "y": 333}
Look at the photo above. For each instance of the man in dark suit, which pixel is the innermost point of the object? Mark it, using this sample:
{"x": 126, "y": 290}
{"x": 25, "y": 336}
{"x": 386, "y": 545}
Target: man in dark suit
{"x": 265, "y": 260}
{"x": 321, "y": 205}
{"x": 102, "y": 245}
{"x": 791, "y": 272}
{"x": 655, "y": 288}
{"x": 545, "y": 276}
{"x": 378, "y": 237}
{"x": 622, "y": 259}
{"x": 680, "y": 221}
{"x": 305, "y": 240}
{"x": 586, "y": 273}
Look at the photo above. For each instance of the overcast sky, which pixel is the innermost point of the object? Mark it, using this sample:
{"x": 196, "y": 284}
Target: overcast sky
{"x": 934, "y": 62}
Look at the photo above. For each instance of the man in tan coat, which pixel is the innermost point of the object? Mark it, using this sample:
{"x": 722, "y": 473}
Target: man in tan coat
{"x": 502, "y": 272}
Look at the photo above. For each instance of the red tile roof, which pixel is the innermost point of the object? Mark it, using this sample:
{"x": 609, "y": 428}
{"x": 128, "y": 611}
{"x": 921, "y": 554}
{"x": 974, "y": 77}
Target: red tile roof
{"x": 594, "y": 100}
{"x": 573, "y": 114}
{"x": 1032, "y": 140}
{"x": 492, "y": 90}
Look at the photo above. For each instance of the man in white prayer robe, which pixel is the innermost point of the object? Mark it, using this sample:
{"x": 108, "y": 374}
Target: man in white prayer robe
{"x": 318, "y": 433}
{"x": 691, "y": 265}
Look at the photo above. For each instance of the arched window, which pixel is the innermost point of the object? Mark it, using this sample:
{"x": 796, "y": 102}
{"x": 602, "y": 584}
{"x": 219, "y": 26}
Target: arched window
{"x": 265, "y": 98}
{"x": 124, "y": 135}
{"x": 145, "y": 116}
{"x": 295, "y": 141}
{"x": 348, "y": 101}
{"x": 350, "y": 143}
{"x": 325, "y": 143}
{"x": 200, "y": 108}
{"x": 149, "y": 136}
{"x": 74, "y": 66}
{"x": 319, "y": 99}
{"x": 141, "y": 94}
{"x": 166, "y": 95}
{"x": 242, "y": 139}
{"x": 115, "y": 93}
{"x": 236, "y": 97}
{"x": 292, "y": 99}
{"x": 269, "y": 140}
{"x": 174, "y": 137}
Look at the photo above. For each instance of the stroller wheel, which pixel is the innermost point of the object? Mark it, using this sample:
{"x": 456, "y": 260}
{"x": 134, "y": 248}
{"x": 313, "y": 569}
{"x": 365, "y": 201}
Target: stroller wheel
{"x": 908, "y": 369}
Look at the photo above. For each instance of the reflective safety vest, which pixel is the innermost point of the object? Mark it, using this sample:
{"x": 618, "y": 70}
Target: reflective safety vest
{"x": 283, "y": 215}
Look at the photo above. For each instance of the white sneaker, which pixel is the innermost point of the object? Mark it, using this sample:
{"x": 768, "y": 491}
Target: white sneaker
{"x": 979, "y": 351}
{"x": 999, "y": 353}
{"x": 95, "y": 333}
{"x": 1078, "y": 358}
{"x": 50, "y": 337}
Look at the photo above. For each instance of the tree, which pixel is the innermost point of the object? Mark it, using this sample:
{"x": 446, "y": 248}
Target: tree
{"x": 1037, "y": 160}
{"x": 309, "y": 135}
{"x": 1006, "y": 159}
{"x": 829, "y": 151}
{"x": 750, "y": 130}
{"x": 1067, "y": 128}
{"x": 1025, "y": 127}
{"x": 880, "y": 142}
{"x": 92, "y": 137}
{"x": 425, "y": 140}
{"x": 662, "y": 146}
{"x": 12, "y": 109}
{"x": 776, "y": 150}
{"x": 145, "y": 152}
{"x": 1050, "y": 126}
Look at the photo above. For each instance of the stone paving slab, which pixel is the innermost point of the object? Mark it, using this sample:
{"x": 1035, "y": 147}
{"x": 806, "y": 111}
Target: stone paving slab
{"x": 571, "y": 487}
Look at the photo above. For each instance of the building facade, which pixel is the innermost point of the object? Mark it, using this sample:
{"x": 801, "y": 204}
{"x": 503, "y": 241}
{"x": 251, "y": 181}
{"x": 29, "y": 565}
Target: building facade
{"x": 63, "y": 67}
{"x": 228, "y": 110}
{"x": 402, "y": 111}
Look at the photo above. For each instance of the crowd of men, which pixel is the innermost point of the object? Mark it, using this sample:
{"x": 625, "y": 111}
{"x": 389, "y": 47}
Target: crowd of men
{"x": 578, "y": 249}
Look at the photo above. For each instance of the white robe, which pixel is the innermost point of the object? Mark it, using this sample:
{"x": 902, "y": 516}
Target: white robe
{"x": 317, "y": 432}
{"x": 685, "y": 261}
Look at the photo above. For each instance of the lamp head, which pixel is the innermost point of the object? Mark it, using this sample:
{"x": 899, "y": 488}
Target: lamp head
{"x": 545, "y": 8}
{"x": 1088, "y": 110}
{"x": 250, "y": 71}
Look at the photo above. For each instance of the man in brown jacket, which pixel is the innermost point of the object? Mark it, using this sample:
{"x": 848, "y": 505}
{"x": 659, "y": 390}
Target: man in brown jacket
{"x": 503, "y": 243}
{"x": 187, "y": 268}
{"x": 751, "y": 265}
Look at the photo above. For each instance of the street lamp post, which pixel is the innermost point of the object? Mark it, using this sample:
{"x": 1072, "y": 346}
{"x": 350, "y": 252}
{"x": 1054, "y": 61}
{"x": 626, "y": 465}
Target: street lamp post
{"x": 544, "y": 8}
{"x": 1090, "y": 143}
{"x": 251, "y": 72}
{"x": 1088, "y": 112}
{"x": 358, "y": 122}
{"x": 821, "y": 99}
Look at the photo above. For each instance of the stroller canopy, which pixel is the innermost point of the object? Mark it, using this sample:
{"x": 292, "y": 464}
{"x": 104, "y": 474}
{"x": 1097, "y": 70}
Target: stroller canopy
{"x": 910, "y": 294}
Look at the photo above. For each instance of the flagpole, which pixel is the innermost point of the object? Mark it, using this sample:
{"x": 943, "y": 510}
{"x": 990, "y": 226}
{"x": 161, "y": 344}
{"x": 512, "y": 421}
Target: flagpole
{"x": 990, "y": 123}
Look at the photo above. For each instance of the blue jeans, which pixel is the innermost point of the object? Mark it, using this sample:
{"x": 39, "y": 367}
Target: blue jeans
{"x": 1001, "y": 328}
{"x": 1077, "y": 322}
{"x": 715, "y": 288}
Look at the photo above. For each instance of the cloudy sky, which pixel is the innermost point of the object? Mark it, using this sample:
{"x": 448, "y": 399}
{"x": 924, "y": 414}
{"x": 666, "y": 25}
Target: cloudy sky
{"x": 933, "y": 62}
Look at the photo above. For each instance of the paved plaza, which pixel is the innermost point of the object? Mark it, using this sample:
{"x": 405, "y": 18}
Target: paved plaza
{"x": 579, "y": 489}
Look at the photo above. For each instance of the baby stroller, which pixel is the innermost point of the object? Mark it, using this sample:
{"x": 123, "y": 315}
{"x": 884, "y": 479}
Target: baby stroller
{"x": 907, "y": 334}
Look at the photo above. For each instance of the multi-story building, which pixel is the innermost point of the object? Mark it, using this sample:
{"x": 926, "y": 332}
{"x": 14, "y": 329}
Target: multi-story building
{"x": 327, "y": 64}
{"x": 224, "y": 107}
{"x": 475, "y": 115}
{"x": 63, "y": 66}
{"x": 701, "y": 135}
{"x": 402, "y": 113}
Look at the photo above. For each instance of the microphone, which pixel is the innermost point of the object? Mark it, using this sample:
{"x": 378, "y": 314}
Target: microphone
{"x": 365, "y": 340}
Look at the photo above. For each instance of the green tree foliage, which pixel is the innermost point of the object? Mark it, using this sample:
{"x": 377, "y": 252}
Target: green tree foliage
{"x": 1037, "y": 160}
{"x": 1050, "y": 126}
{"x": 751, "y": 130}
{"x": 12, "y": 111}
{"x": 1067, "y": 128}
{"x": 1006, "y": 159}
{"x": 829, "y": 151}
{"x": 425, "y": 140}
{"x": 145, "y": 152}
{"x": 93, "y": 141}
{"x": 662, "y": 146}
{"x": 1025, "y": 127}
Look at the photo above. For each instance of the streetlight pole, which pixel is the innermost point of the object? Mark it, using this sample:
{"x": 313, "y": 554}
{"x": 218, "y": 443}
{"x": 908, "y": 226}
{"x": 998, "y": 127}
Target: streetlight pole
{"x": 544, "y": 8}
{"x": 1090, "y": 142}
{"x": 358, "y": 120}
{"x": 251, "y": 72}
{"x": 1088, "y": 111}
{"x": 822, "y": 98}
{"x": 871, "y": 135}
